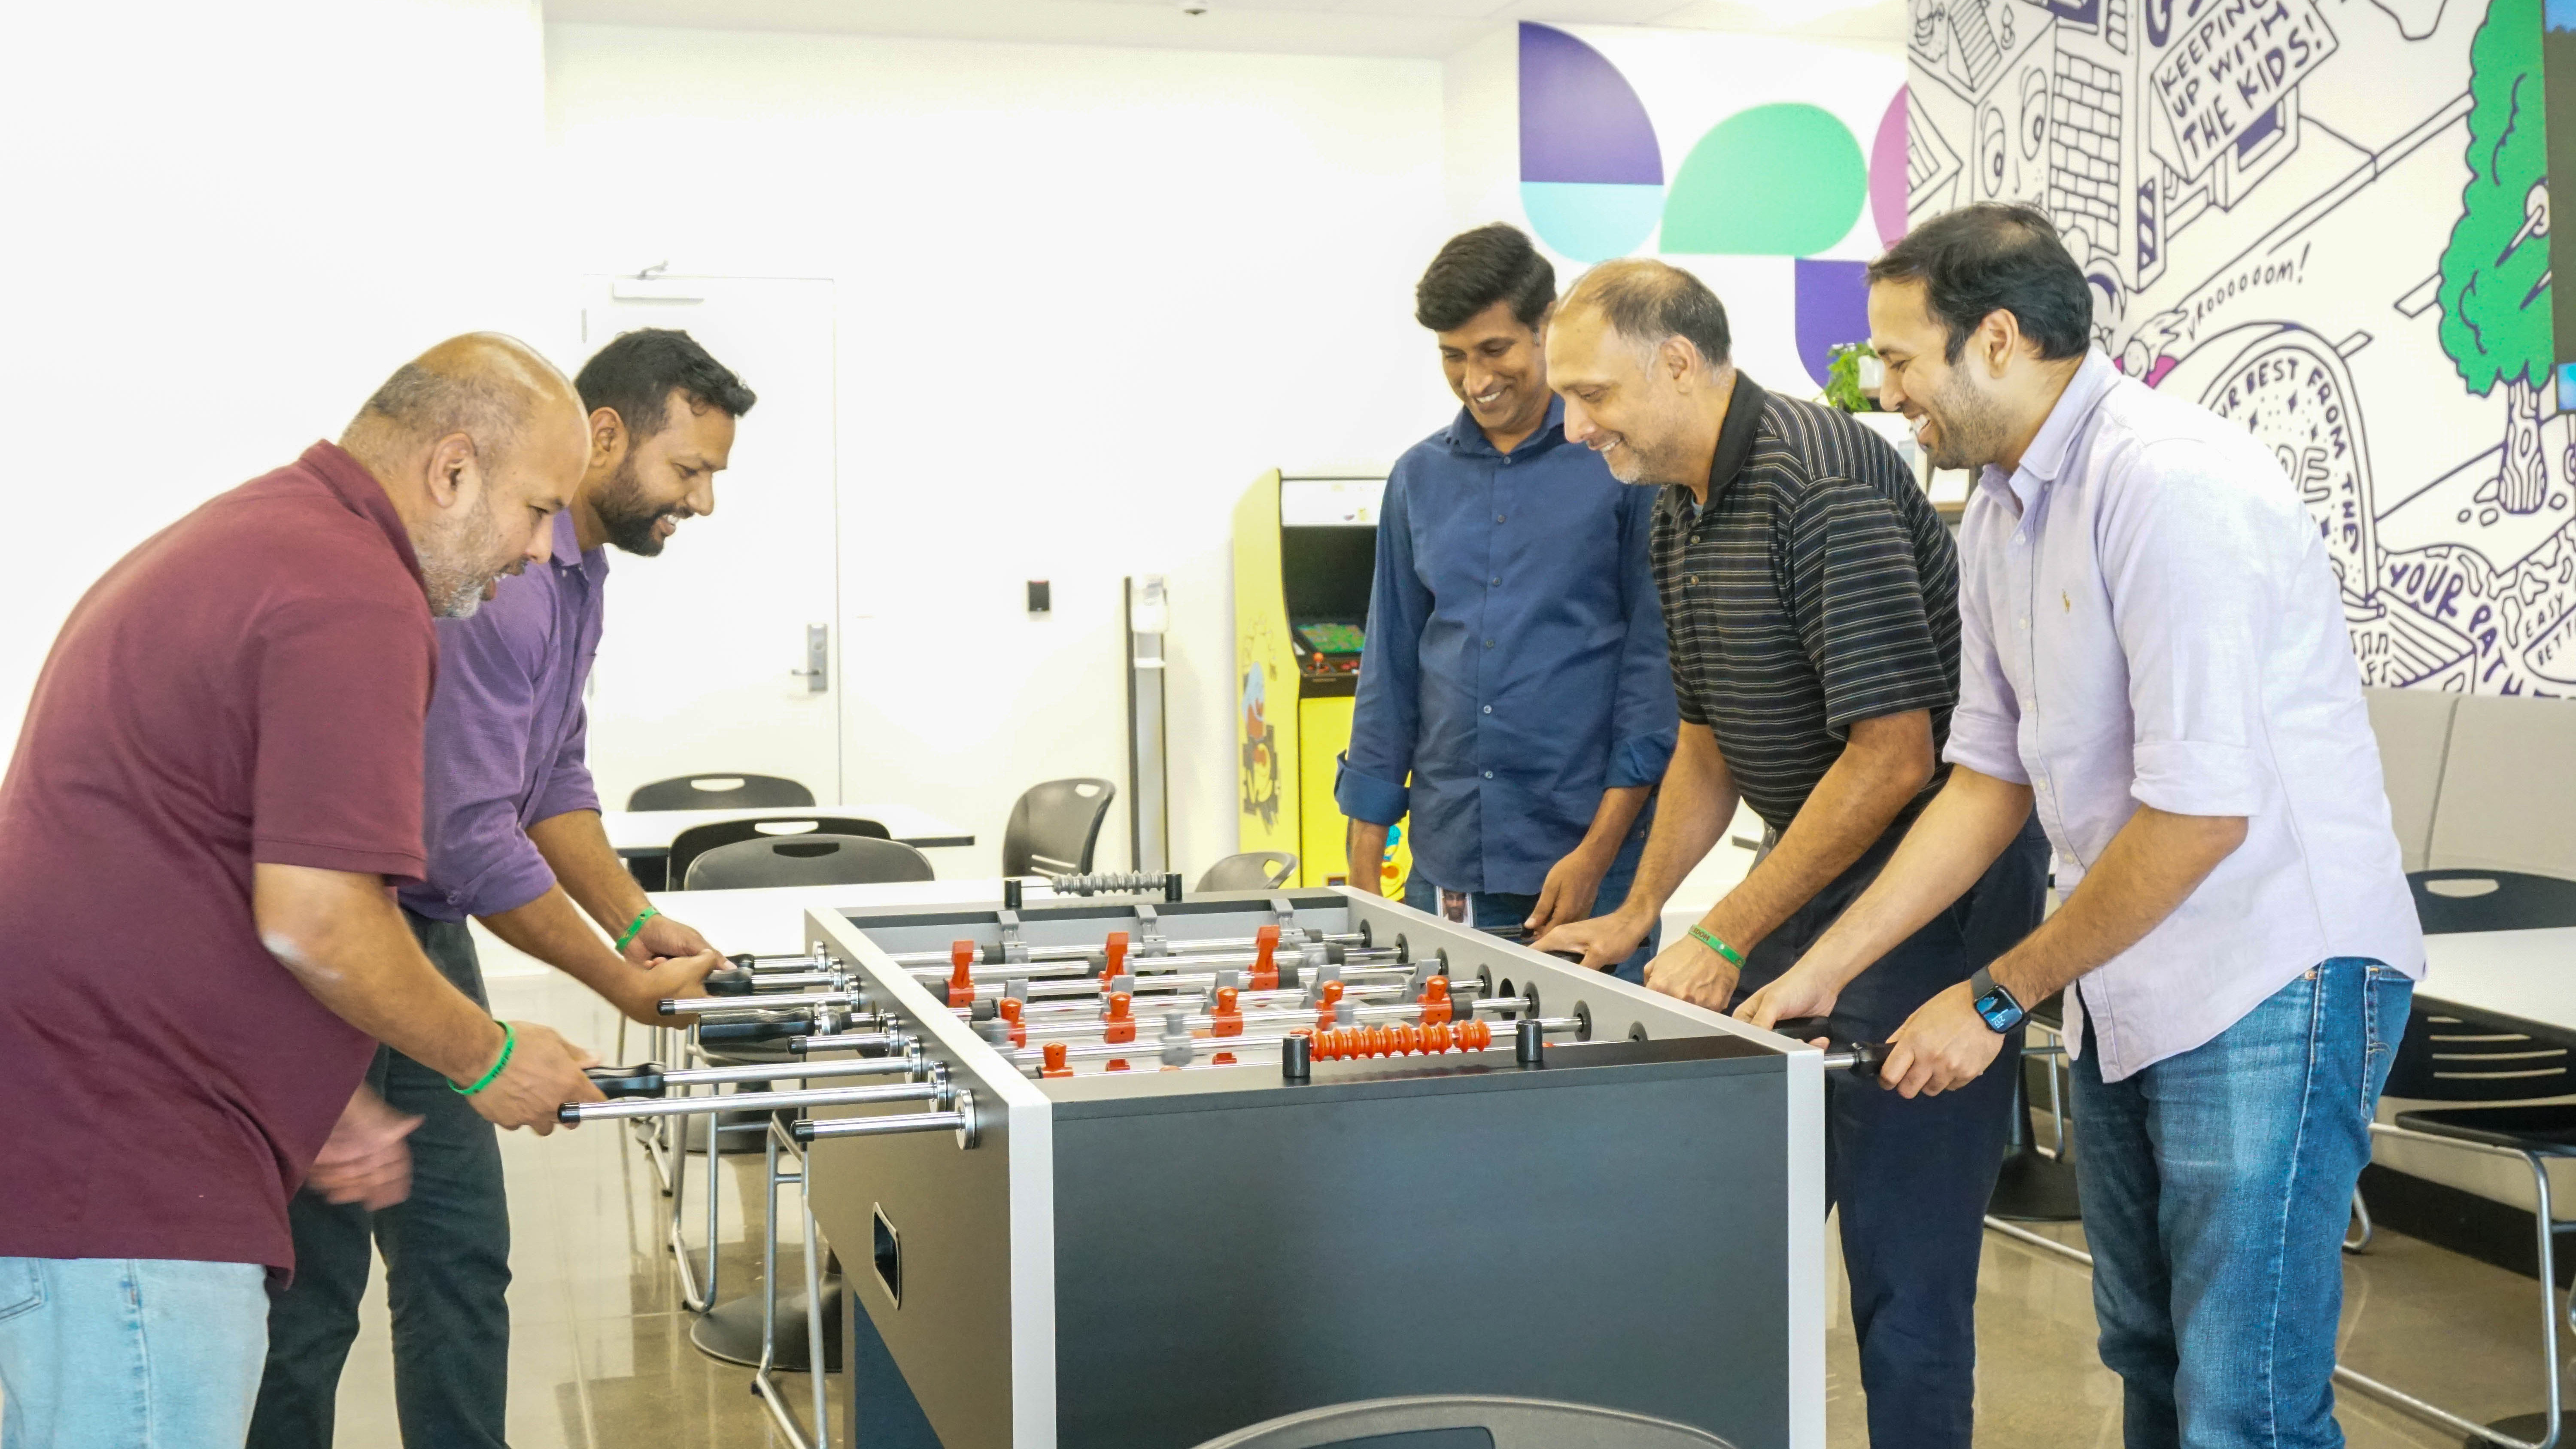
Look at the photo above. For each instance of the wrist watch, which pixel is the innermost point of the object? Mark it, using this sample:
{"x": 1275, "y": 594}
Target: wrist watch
{"x": 1994, "y": 1002}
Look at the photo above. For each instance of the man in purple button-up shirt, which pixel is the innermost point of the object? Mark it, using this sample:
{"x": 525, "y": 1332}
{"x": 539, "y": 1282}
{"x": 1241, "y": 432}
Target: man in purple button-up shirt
{"x": 512, "y": 826}
{"x": 2153, "y": 653}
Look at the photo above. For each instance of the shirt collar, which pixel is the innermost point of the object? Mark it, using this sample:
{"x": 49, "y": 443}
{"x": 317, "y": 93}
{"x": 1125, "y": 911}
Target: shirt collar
{"x": 568, "y": 552}
{"x": 1465, "y": 436}
{"x": 1734, "y": 440}
{"x": 2045, "y": 458}
{"x": 359, "y": 492}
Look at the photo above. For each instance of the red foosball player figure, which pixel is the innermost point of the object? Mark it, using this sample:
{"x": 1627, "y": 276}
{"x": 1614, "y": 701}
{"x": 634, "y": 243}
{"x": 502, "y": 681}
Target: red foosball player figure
{"x": 961, "y": 975}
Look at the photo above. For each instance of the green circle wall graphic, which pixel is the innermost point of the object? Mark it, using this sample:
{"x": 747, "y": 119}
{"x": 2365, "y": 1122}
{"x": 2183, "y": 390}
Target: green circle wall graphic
{"x": 1776, "y": 180}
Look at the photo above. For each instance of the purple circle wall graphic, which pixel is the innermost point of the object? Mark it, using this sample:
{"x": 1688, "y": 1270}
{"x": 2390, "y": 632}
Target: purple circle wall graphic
{"x": 1592, "y": 175}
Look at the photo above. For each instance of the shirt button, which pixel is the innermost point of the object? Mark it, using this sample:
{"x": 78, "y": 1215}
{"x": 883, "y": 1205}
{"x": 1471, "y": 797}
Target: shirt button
{"x": 1498, "y": 518}
{"x": 1489, "y": 709}
{"x": 1489, "y": 774}
{"x": 1496, "y": 581}
{"x": 1489, "y": 643}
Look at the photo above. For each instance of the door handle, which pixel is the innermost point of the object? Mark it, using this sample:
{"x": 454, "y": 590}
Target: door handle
{"x": 817, "y": 672}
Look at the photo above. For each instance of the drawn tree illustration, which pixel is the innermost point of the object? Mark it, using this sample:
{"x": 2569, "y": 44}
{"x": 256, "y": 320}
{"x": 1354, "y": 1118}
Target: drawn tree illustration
{"x": 2495, "y": 271}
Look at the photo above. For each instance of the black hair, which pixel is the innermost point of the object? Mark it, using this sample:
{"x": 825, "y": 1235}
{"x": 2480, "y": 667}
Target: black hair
{"x": 1476, "y": 269}
{"x": 635, "y": 373}
{"x": 1647, "y": 301}
{"x": 1995, "y": 257}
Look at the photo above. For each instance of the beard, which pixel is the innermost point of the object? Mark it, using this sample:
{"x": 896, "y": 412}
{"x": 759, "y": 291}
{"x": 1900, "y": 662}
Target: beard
{"x": 453, "y": 567}
{"x": 1971, "y": 427}
{"x": 626, "y": 516}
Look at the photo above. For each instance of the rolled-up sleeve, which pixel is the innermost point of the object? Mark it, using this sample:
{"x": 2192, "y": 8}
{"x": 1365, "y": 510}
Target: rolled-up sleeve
{"x": 1985, "y": 730}
{"x": 1387, "y": 714}
{"x": 567, "y": 785}
{"x": 1645, "y": 720}
{"x": 477, "y": 746}
{"x": 2192, "y": 573}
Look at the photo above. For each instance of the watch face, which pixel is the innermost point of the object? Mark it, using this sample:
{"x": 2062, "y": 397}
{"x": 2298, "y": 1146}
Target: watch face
{"x": 1998, "y": 1013}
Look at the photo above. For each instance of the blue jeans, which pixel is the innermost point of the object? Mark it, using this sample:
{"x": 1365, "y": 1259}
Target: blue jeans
{"x": 1487, "y": 910}
{"x": 2217, "y": 1185}
{"x": 129, "y": 1353}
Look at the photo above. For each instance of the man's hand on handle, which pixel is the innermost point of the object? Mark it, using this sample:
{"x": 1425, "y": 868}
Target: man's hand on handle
{"x": 1691, "y": 972}
{"x": 545, "y": 1071}
{"x": 365, "y": 1161}
{"x": 1800, "y": 991}
{"x": 664, "y": 939}
{"x": 1942, "y": 1047}
{"x": 1605, "y": 941}
{"x": 659, "y": 981}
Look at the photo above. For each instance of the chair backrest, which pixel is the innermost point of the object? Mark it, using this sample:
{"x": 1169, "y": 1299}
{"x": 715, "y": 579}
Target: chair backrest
{"x": 689, "y": 844}
{"x": 2508, "y": 798}
{"x": 1253, "y": 870}
{"x": 1055, "y": 826}
{"x": 720, "y": 792}
{"x": 2455, "y": 1054}
{"x": 1467, "y": 1421}
{"x": 2414, "y": 730}
{"x": 807, "y": 860}
{"x": 2450, "y": 902}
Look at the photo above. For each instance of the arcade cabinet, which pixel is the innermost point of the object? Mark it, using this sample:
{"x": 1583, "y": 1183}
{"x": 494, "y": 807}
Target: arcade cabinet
{"x": 1305, "y": 553}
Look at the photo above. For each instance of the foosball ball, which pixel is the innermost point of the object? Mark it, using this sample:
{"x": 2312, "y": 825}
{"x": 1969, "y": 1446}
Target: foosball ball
{"x": 1149, "y": 1172}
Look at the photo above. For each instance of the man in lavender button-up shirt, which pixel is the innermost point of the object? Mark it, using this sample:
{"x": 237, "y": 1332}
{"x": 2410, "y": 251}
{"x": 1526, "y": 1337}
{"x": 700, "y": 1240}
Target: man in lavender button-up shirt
{"x": 512, "y": 827}
{"x": 2153, "y": 652}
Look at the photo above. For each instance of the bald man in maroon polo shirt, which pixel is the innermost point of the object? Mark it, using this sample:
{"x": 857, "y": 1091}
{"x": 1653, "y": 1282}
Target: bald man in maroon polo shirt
{"x": 218, "y": 780}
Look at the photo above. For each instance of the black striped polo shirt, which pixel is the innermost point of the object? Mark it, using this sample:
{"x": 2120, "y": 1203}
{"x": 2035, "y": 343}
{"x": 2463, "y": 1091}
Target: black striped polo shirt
{"x": 1818, "y": 587}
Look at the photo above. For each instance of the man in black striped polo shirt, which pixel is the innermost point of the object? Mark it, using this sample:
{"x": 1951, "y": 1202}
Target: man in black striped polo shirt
{"x": 1811, "y": 597}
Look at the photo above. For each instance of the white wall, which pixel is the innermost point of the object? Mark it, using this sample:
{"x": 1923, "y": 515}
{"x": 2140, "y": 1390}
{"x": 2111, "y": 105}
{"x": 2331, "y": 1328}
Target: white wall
{"x": 227, "y": 224}
{"x": 1086, "y": 296}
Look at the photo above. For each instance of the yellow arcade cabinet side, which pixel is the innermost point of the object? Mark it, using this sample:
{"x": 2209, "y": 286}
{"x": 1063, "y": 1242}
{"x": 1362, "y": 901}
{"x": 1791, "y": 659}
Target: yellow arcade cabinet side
{"x": 1305, "y": 553}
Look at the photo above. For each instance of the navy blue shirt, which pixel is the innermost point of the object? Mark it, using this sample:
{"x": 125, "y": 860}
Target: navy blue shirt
{"x": 1514, "y": 666}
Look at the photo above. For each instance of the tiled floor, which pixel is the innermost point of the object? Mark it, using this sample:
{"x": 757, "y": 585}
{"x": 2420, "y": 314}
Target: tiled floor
{"x": 601, "y": 1359}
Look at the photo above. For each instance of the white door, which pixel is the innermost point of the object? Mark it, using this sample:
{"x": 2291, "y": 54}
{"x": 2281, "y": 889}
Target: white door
{"x": 699, "y": 670}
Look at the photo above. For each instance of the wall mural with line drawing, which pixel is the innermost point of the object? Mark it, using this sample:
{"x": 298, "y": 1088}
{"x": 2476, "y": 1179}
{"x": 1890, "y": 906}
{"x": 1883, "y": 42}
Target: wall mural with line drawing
{"x": 2329, "y": 221}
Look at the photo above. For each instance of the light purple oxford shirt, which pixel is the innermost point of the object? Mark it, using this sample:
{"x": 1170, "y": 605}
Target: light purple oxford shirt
{"x": 507, "y": 732}
{"x": 2148, "y": 617}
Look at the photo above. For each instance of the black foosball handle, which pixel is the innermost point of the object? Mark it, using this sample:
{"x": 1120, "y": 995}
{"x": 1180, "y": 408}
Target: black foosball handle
{"x": 767, "y": 1026}
{"x": 644, "y": 1079}
{"x": 731, "y": 981}
{"x": 1866, "y": 1056}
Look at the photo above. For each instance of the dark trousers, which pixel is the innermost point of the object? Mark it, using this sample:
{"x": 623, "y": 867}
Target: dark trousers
{"x": 1492, "y": 910}
{"x": 1912, "y": 1178}
{"x": 447, "y": 1268}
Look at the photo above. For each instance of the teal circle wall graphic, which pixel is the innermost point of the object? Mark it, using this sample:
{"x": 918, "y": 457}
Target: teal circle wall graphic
{"x": 1785, "y": 180}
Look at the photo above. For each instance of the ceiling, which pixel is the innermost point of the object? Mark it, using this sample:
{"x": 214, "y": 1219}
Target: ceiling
{"x": 1418, "y": 28}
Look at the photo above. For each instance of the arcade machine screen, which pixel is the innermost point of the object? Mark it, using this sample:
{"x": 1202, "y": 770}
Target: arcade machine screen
{"x": 1328, "y": 650}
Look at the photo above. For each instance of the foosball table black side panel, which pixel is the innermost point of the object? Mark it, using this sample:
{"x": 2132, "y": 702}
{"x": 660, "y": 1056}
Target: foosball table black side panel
{"x": 1611, "y": 1237}
{"x": 1558, "y": 1234}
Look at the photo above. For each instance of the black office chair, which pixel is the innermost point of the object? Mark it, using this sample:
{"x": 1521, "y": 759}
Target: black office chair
{"x": 1055, "y": 827}
{"x": 799, "y": 860}
{"x": 1253, "y": 870}
{"x": 2452, "y": 1054}
{"x": 2035, "y": 1186}
{"x": 697, "y": 840}
{"x": 720, "y": 792}
{"x": 1466, "y": 1421}
{"x": 2448, "y": 902}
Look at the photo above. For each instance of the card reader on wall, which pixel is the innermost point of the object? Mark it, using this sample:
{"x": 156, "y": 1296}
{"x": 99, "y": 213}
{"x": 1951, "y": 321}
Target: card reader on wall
{"x": 1041, "y": 597}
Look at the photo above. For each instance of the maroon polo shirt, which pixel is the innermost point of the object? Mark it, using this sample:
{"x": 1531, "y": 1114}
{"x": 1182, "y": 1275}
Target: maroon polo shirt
{"x": 247, "y": 686}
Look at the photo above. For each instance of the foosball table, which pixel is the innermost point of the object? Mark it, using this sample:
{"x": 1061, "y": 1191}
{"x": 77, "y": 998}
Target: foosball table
{"x": 1137, "y": 1173}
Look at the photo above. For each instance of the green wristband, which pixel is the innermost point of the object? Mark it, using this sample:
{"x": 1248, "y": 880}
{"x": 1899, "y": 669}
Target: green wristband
{"x": 636, "y": 929}
{"x": 1701, "y": 935}
{"x": 509, "y": 1044}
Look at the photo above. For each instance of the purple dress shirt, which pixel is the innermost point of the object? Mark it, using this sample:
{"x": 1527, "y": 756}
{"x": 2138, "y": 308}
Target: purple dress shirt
{"x": 2148, "y": 618}
{"x": 507, "y": 732}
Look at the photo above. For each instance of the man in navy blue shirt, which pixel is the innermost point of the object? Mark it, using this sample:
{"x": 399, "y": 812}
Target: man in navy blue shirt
{"x": 1515, "y": 668}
